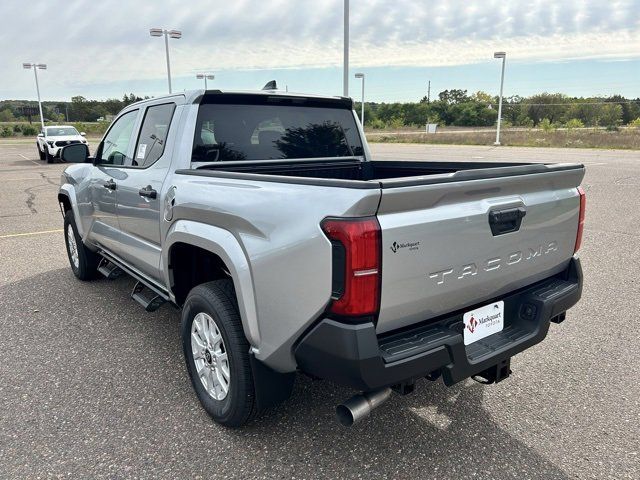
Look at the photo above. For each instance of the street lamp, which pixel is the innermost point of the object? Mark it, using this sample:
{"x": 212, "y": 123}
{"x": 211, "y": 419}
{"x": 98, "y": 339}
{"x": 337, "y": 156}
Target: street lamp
{"x": 206, "y": 76}
{"x": 503, "y": 56}
{"x": 36, "y": 67}
{"x": 345, "y": 68}
{"x": 158, "y": 32}
{"x": 361, "y": 75}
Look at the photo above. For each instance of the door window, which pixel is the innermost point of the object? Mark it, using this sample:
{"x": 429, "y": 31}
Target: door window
{"x": 153, "y": 135}
{"x": 114, "y": 147}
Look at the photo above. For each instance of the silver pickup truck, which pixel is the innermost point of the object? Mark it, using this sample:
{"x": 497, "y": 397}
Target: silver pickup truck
{"x": 263, "y": 217}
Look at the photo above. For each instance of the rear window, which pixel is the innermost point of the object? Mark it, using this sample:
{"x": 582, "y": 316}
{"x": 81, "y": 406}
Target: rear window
{"x": 228, "y": 132}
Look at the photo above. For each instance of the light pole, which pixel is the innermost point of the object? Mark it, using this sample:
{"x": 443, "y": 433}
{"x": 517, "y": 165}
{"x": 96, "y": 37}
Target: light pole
{"x": 345, "y": 68}
{"x": 158, "y": 32}
{"x": 206, "y": 76}
{"x": 361, "y": 75}
{"x": 36, "y": 66}
{"x": 503, "y": 56}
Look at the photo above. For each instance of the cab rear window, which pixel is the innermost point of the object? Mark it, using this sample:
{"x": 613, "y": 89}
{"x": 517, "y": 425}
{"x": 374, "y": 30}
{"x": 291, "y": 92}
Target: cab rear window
{"x": 231, "y": 132}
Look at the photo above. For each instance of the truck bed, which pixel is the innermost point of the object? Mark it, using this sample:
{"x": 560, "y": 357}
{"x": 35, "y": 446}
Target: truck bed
{"x": 352, "y": 172}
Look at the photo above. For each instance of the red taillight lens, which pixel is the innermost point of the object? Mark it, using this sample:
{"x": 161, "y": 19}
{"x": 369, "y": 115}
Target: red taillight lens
{"x": 583, "y": 204}
{"x": 359, "y": 291}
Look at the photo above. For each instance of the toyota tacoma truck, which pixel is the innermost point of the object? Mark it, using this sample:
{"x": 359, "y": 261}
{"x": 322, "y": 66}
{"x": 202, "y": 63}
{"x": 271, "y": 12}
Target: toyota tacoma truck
{"x": 50, "y": 140}
{"x": 264, "y": 218}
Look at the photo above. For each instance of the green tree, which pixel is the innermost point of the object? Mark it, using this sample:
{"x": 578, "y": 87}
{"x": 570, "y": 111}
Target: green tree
{"x": 610, "y": 115}
{"x": 551, "y": 106}
{"x": 6, "y": 115}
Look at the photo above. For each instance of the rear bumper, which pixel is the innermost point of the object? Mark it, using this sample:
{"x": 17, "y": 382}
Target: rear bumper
{"x": 353, "y": 355}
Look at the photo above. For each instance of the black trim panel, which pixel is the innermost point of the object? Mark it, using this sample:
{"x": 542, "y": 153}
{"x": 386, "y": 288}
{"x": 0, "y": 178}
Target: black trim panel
{"x": 353, "y": 355}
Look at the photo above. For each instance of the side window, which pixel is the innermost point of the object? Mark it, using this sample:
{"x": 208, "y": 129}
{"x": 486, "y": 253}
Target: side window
{"x": 153, "y": 135}
{"x": 114, "y": 147}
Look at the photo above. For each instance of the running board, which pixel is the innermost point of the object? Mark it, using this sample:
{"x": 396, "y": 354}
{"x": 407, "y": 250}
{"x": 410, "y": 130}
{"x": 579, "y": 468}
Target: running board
{"x": 149, "y": 299}
{"x": 110, "y": 270}
{"x": 146, "y": 292}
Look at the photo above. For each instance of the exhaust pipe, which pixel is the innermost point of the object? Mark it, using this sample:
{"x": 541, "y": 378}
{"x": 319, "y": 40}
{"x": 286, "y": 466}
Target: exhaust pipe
{"x": 361, "y": 405}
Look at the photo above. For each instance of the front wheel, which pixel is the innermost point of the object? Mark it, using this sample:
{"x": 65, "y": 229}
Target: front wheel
{"x": 40, "y": 152}
{"x": 47, "y": 156}
{"x": 217, "y": 353}
{"x": 83, "y": 261}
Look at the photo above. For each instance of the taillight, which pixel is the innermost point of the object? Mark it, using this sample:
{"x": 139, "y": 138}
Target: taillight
{"x": 357, "y": 265}
{"x": 583, "y": 204}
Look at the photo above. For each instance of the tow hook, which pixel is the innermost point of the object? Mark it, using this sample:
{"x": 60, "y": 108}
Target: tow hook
{"x": 361, "y": 405}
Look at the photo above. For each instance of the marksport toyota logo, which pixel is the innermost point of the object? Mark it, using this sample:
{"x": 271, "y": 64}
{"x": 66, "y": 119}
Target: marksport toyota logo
{"x": 473, "y": 323}
{"x": 395, "y": 246}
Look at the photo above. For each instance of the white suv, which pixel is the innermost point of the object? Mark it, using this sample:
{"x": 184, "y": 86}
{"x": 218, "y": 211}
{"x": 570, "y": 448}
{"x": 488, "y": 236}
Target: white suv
{"x": 51, "y": 139}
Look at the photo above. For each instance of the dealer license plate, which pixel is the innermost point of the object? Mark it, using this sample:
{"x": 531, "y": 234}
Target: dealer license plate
{"x": 483, "y": 321}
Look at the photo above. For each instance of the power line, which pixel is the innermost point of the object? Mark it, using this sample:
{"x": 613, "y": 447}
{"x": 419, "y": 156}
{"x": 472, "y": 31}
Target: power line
{"x": 570, "y": 103}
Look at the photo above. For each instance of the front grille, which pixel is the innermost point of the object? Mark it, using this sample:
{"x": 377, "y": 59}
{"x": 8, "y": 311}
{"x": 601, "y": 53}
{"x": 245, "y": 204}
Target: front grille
{"x": 64, "y": 143}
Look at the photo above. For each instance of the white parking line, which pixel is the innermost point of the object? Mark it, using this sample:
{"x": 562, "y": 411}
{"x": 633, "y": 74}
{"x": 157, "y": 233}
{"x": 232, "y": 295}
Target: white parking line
{"x": 28, "y": 234}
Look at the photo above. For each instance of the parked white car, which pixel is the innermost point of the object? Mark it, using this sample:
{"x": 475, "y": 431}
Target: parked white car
{"x": 51, "y": 139}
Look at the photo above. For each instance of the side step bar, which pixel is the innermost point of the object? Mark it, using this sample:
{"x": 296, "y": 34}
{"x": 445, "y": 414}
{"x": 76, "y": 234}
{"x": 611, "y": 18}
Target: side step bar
{"x": 145, "y": 292}
{"x": 150, "y": 300}
{"x": 109, "y": 269}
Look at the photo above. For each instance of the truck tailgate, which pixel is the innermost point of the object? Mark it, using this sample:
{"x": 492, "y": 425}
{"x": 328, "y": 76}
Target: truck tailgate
{"x": 440, "y": 253}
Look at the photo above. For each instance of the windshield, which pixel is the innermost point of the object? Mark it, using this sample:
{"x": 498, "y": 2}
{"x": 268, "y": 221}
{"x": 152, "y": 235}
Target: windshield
{"x": 61, "y": 131}
{"x": 226, "y": 132}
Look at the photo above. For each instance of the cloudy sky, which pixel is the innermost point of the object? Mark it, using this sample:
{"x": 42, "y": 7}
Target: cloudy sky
{"x": 102, "y": 48}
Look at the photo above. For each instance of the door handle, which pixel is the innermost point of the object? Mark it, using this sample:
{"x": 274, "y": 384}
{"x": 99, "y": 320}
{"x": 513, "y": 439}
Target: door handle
{"x": 148, "y": 192}
{"x": 110, "y": 184}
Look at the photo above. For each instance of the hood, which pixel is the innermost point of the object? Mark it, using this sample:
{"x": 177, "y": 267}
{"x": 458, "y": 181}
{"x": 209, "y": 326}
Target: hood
{"x": 64, "y": 138}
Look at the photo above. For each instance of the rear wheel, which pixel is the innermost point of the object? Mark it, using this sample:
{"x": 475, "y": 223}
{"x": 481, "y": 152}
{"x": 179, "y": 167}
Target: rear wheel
{"x": 217, "y": 353}
{"x": 40, "y": 152}
{"x": 83, "y": 261}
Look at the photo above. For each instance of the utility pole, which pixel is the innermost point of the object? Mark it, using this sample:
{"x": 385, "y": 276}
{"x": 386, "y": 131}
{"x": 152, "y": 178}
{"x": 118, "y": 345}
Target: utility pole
{"x": 345, "y": 68}
{"x": 503, "y": 56}
{"x": 429, "y": 92}
{"x": 36, "y": 66}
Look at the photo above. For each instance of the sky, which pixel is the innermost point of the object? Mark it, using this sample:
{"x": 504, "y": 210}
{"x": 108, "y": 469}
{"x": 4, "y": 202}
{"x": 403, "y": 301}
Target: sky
{"x": 102, "y": 49}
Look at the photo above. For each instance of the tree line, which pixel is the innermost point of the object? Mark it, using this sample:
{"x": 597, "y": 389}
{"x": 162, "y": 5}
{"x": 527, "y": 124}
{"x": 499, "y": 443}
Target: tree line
{"x": 80, "y": 109}
{"x": 451, "y": 108}
{"x": 459, "y": 108}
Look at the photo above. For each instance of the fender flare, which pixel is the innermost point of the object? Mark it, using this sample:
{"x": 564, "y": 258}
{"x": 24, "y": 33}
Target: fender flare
{"x": 70, "y": 192}
{"x": 222, "y": 243}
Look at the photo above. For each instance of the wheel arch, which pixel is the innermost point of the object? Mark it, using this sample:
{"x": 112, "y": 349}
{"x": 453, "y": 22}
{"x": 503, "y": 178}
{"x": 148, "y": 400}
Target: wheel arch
{"x": 195, "y": 253}
{"x": 67, "y": 201}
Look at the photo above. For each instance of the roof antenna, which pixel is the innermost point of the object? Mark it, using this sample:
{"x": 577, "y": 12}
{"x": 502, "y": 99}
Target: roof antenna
{"x": 270, "y": 86}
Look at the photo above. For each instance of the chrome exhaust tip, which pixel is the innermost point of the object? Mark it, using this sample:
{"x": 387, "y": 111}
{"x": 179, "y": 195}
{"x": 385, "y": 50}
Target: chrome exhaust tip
{"x": 361, "y": 405}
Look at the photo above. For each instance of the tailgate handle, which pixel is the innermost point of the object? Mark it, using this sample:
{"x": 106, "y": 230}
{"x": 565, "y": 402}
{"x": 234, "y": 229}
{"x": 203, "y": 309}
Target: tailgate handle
{"x": 506, "y": 221}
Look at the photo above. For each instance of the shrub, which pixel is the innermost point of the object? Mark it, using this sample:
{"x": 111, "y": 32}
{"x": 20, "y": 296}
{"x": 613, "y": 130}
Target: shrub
{"x": 395, "y": 122}
{"x": 376, "y": 124}
{"x": 574, "y": 123}
{"x": 546, "y": 125}
{"x": 6, "y": 132}
{"x": 17, "y": 128}
{"x": 635, "y": 123}
{"x": 28, "y": 131}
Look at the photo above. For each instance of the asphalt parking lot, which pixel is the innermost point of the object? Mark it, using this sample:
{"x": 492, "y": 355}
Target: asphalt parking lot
{"x": 91, "y": 386}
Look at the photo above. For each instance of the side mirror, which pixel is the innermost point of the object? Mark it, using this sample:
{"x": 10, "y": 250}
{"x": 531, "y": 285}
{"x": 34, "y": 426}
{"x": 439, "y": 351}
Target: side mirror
{"x": 75, "y": 153}
{"x": 82, "y": 134}
{"x": 41, "y": 134}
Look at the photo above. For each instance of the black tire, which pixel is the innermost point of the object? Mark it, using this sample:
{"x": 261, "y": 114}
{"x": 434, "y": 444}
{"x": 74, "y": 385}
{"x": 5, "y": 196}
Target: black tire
{"x": 87, "y": 267}
{"x": 217, "y": 299}
{"x": 40, "y": 152}
{"x": 47, "y": 156}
